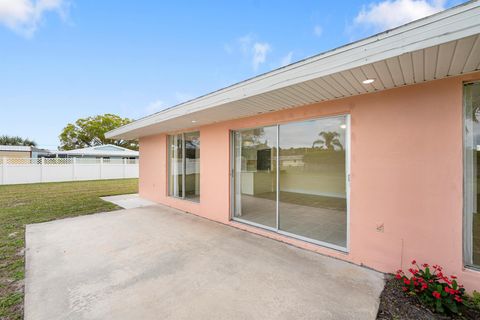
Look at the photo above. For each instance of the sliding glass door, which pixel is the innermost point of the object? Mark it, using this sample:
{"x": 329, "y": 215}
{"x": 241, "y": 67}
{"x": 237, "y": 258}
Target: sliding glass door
{"x": 292, "y": 178}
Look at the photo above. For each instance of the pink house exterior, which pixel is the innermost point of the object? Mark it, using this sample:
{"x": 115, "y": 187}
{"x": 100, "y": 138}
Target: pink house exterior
{"x": 393, "y": 182}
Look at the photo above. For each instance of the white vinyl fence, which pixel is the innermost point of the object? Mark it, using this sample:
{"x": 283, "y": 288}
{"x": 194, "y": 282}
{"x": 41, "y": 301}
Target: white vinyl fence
{"x": 30, "y": 170}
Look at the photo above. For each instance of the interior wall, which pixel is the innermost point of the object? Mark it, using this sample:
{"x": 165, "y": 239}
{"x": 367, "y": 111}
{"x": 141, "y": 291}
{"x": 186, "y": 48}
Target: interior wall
{"x": 406, "y": 175}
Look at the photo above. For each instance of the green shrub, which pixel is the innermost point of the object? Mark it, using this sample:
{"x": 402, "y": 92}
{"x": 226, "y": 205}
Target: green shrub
{"x": 473, "y": 301}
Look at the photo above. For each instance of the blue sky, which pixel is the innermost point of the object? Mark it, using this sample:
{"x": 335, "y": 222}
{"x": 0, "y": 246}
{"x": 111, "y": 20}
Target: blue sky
{"x": 61, "y": 60}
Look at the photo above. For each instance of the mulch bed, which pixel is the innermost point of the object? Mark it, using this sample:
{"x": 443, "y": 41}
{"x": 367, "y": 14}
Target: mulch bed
{"x": 396, "y": 305}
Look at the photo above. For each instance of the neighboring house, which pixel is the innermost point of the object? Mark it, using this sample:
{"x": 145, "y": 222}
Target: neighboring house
{"x": 20, "y": 151}
{"x": 381, "y": 137}
{"x": 107, "y": 151}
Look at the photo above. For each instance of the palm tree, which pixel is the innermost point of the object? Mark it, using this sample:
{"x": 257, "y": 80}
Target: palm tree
{"x": 16, "y": 141}
{"x": 329, "y": 140}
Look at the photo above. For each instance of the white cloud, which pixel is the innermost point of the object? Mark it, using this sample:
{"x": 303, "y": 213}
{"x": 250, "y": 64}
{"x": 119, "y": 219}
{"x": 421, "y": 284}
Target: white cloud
{"x": 260, "y": 51}
{"x": 155, "y": 106}
{"x": 393, "y": 13}
{"x": 24, "y": 16}
{"x": 245, "y": 43}
{"x": 286, "y": 59}
{"x": 250, "y": 48}
{"x": 318, "y": 31}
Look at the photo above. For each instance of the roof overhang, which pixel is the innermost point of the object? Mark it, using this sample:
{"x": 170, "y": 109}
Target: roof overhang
{"x": 96, "y": 154}
{"x": 442, "y": 45}
{"x": 112, "y": 151}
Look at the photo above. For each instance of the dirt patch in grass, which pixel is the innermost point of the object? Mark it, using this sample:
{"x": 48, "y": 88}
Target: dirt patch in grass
{"x": 396, "y": 305}
{"x": 34, "y": 203}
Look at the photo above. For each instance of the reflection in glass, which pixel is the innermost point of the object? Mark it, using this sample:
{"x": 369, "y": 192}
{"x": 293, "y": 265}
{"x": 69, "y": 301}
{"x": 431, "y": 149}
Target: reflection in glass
{"x": 175, "y": 165}
{"x": 312, "y": 197}
{"x": 184, "y": 166}
{"x": 192, "y": 165}
{"x": 471, "y": 167}
{"x": 255, "y": 175}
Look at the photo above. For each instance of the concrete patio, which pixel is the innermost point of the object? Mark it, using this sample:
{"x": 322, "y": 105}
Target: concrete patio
{"x": 155, "y": 262}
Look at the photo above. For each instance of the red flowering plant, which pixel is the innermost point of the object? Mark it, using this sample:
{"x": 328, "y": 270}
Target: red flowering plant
{"x": 437, "y": 291}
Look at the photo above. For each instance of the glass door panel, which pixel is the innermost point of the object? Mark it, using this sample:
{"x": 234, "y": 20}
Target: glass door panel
{"x": 312, "y": 171}
{"x": 255, "y": 175}
{"x": 175, "y": 187}
{"x": 472, "y": 174}
{"x": 192, "y": 166}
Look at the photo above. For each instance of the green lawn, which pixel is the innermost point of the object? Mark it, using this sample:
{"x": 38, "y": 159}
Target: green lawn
{"x": 33, "y": 203}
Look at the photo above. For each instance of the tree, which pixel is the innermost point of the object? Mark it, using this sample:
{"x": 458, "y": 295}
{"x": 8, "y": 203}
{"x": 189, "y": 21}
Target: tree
{"x": 16, "y": 141}
{"x": 330, "y": 140}
{"x": 254, "y": 137}
{"x": 89, "y": 132}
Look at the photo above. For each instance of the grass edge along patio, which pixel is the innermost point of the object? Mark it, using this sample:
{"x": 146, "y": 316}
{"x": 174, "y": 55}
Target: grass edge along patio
{"x": 366, "y": 153}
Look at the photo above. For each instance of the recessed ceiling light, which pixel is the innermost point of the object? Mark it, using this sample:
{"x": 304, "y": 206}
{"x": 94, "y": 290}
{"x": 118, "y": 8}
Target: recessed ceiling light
{"x": 193, "y": 121}
{"x": 368, "y": 81}
{"x": 343, "y": 126}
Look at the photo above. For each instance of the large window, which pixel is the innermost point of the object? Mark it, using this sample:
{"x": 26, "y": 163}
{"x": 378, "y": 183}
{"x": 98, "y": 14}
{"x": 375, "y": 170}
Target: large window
{"x": 472, "y": 174}
{"x": 292, "y": 179}
{"x": 184, "y": 166}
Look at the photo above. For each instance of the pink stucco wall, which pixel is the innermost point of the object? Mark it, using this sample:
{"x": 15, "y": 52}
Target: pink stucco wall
{"x": 406, "y": 174}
